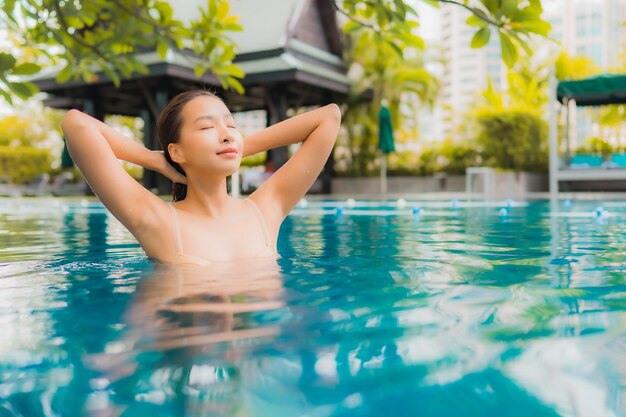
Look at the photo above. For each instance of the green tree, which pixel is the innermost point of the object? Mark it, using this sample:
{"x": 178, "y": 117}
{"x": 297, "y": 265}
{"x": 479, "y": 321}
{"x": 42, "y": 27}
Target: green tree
{"x": 386, "y": 59}
{"x": 85, "y": 37}
{"x": 103, "y": 35}
{"x": 513, "y": 21}
{"x": 377, "y": 69}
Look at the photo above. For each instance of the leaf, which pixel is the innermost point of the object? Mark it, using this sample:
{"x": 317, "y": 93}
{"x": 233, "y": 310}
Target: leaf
{"x": 7, "y": 61}
{"x": 6, "y": 96}
{"x": 234, "y": 83}
{"x": 27, "y": 68}
{"x": 508, "y": 7}
{"x": 509, "y": 50}
{"x": 481, "y": 38}
{"x": 113, "y": 76}
{"x": 222, "y": 10}
{"x": 162, "y": 49}
{"x": 199, "y": 70}
{"x": 476, "y": 21}
{"x": 536, "y": 4}
{"x": 234, "y": 71}
{"x": 65, "y": 74}
{"x": 165, "y": 10}
{"x": 434, "y": 3}
{"x": 351, "y": 26}
{"x": 9, "y": 8}
{"x": 74, "y": 21}
{"x": 22, "y": 90}
{"x": 395, "y": 47}
{"x": 138, "y": 66}
{"x": 527, "y": 49}
{"x": 491, "y": 5}
{"x": 538, "y": 26}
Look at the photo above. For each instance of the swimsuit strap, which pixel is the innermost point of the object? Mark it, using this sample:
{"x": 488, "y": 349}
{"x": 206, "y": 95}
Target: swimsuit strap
{"x": 175, "y": 226}
{"x": 261, "y": 220}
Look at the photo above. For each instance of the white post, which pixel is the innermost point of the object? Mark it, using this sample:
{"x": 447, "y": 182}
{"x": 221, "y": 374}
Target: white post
{"x": 572, "y": 138}
{"x": 234, "y": 185}
{"x": 553, "y": 140}
{"x": 383, "y": 174}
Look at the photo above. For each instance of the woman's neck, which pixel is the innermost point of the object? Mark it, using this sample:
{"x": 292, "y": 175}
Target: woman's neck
{"x": 207, "y": 197}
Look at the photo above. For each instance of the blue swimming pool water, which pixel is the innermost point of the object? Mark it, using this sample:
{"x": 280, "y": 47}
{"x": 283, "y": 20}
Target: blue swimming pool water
{"x": 375, "y": 309}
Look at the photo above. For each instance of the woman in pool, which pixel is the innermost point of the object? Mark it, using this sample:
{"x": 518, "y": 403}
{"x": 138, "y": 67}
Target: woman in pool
{"x": 201, "y": 147}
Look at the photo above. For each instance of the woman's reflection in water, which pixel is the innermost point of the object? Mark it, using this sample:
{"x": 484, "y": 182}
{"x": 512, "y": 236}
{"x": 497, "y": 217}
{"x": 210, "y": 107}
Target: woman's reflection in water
{"x": 188, "y": 332}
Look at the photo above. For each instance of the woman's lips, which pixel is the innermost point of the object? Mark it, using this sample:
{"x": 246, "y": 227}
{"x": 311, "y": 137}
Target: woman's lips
{"x": 228, "y": 153}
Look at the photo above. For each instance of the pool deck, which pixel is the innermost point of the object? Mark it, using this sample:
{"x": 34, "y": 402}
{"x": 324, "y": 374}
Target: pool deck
{"x": 431, "y": 196}
{"x": 587, "y": 195}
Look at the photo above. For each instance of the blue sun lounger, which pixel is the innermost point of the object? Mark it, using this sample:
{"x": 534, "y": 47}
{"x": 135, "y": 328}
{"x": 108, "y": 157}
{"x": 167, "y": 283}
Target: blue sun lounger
{"x": 584, "y": 161}
{"x": 618, "y": 161}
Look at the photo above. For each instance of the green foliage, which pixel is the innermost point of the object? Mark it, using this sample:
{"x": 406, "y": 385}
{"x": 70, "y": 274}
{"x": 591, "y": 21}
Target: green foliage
{"x": 574, "y": 67}
{"x": 597, "y": 146}
{"x": 20, "y": 164}
{"x": 448, "y": 156}
{"x": 387, "y": 74}
{"x": 254, "y": 160}
{"x": 104, "y": 35}
{"x": 515, "y": 21}
{"x": 527, "y": 89}
{"x": 19, "y": 131}
{"x": 456, "y": 156}
{"x": 26, "y": 142}
{"x": 513, "y": 139}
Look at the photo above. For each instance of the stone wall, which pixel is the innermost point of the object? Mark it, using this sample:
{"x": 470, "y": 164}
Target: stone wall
{"x": 507, "y": 184}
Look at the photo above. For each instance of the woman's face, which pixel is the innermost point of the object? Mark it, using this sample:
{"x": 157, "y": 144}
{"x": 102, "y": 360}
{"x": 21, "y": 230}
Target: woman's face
{"x": 209, "y": 141}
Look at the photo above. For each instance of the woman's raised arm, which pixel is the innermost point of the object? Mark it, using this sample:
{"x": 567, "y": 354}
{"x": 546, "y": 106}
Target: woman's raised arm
{"x": 95, "y": 148}
{"x": 317, "y": 130}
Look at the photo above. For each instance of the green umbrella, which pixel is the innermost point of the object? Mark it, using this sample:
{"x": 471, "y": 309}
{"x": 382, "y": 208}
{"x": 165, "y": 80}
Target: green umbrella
{"x": 385, "y": 143}
{"x": 385, "y": 131}
{"x": 66, "y": 159}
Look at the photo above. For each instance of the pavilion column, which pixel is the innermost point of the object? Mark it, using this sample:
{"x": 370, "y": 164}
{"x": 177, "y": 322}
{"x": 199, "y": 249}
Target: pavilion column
{"x": 328, "y": 172}
{"x": 93, "y": 106}
{"x": 152, "y": 180}
{"x": 277, "y": 112}
{"x": 149, "y": 177}
{"x": 567, "y": 130}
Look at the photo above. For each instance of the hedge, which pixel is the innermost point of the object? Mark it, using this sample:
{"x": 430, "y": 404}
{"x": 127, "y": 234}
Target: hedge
{"x": 514, "y": 139}
{"x": 21, "y": 164}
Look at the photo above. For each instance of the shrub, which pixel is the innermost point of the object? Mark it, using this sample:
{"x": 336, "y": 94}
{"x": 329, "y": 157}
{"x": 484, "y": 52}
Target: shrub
{"x": 457, "y": 156}
{"x": 21, "y": 164}
{"x": 599, "y": 146}
{"x": 403, "y": 163}
{"x": 513, "y": 139}
{"x": 254, "y": 160}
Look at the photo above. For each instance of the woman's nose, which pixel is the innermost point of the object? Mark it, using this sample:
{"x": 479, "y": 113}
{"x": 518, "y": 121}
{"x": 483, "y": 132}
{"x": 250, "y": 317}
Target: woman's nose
{"x": 225, "y": 135}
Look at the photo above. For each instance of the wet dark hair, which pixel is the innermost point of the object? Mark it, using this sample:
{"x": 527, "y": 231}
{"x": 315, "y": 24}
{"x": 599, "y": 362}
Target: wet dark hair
{"x": 168, "y": 131}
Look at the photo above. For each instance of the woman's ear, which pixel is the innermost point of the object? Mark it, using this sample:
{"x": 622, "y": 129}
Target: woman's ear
{"x": 176, "y": 153}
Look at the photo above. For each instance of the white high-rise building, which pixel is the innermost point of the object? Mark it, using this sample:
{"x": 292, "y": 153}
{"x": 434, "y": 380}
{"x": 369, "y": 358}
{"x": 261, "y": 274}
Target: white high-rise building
{"x": 466, "y": 69}
{"x": 594, "y": 28}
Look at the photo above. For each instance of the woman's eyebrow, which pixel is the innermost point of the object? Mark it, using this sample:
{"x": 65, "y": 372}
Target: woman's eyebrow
{"x": 212, "y": 117}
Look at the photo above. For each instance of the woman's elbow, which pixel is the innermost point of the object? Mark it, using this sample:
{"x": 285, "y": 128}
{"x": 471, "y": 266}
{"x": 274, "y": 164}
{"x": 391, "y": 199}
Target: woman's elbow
{"x": 72, "y": 118}
{"x": 334, "y": 112}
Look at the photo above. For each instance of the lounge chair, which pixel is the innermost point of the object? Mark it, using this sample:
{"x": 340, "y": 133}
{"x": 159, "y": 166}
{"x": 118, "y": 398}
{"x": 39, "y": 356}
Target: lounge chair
{"x": 64, "y": 185}
{"x": 617, "y": 160}
{"x": 37, "y": 186}
{"x": 585, "y": 161}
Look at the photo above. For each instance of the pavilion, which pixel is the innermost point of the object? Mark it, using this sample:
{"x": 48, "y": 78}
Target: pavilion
{"x": 290, "y": 51}
{"x": 595, "y": 91}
